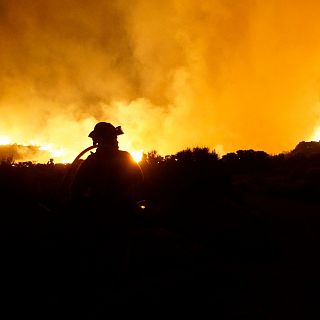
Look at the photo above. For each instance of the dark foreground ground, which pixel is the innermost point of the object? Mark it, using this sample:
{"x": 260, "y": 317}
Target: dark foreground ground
{"x": 248, "y": 247}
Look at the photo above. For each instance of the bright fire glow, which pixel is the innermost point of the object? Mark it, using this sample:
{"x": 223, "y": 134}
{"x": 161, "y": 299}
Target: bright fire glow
{"x": 57, "y": 153}
{"x": 137, "y": 155}
{"x": 316, "y": 135}
{"x": 4, "y": 140}
{"x": 49, "y": 151}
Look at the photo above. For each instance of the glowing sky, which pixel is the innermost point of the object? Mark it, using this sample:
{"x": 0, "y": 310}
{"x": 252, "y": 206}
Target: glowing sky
{"x": 174, "y": 74}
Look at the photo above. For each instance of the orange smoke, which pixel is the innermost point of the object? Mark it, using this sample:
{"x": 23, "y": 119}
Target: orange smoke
{"x": 174, "y": 74}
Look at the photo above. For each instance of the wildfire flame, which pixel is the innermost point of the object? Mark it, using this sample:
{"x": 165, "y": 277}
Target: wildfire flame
{"x": 58, "y": 153}
{"x": 137, "y": 155}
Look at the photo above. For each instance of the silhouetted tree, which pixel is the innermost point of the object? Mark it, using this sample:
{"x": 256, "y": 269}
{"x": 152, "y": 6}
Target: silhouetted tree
{"x": 306, "y": 148}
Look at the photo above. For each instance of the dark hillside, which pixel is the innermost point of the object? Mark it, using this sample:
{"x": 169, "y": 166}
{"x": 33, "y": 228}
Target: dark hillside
{"x": 239, "y": 233}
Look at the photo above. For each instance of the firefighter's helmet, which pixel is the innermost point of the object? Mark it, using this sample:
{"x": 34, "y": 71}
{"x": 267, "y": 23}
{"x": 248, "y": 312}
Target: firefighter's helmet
{"x": 105, "y": 131}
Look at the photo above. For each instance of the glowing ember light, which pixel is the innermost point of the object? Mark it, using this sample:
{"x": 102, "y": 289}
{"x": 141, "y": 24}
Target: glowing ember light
{"x": 137, "y": 155}
{"x": 5, "y": 140}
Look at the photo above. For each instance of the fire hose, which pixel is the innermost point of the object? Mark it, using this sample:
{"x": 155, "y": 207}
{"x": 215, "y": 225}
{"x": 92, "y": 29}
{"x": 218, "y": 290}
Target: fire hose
{"x": 67, "y": 181}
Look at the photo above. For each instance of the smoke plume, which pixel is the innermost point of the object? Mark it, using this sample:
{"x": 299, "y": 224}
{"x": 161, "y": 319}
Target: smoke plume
{"x": 174, "y": 74}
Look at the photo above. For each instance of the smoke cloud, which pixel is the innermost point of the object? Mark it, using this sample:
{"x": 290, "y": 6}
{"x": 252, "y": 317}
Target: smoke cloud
{"x": 174, "y": 74}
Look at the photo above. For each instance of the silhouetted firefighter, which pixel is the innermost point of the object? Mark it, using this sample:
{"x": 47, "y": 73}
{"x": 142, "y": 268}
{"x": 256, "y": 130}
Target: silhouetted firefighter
{"x": 108, "y": 178}
{"x": 104, "y": 195}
